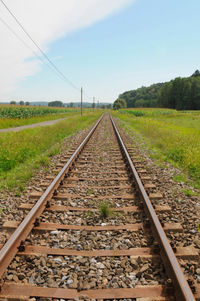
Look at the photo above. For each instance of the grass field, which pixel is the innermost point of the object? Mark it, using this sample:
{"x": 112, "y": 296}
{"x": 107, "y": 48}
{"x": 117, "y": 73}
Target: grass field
{"x": 22, "y": 153}
{"x": 172, "y": 136}
{"x": 13, "y": 116}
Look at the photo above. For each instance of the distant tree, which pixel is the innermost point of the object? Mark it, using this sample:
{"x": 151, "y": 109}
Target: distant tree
{"x": 21, "y": 103}
{"x": 109, "y": 106}
{"x": 148, "y": 94}
{"x": 120, "y": 103}
{"x": 180, "y": 94}
{"x": 27, "y": 103}
{"x": 55, "y": 103}
{"x": 195, "y": 94}
{"x": 196, "y": 73}
{"x": 71, "y": 104}
{"x": 140, "y": 103}
{"x": 13, "y": 102}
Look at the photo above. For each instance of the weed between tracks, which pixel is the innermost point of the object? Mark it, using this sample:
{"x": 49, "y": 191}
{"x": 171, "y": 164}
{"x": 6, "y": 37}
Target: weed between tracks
{"x": 90, "y": 191}
{"x": 170, "y": 135}
{"x": 89, "y": 214}
{"x": 22, "y": 153}
{"x": 105, "y": 209}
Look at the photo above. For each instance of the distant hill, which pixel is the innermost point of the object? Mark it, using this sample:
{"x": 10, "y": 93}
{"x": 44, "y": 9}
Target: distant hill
{"x": 86, "y": 104}
{"x": 38, "y": 103}
{"x": 68, "y": 104}
{"x": 75, "y": 104}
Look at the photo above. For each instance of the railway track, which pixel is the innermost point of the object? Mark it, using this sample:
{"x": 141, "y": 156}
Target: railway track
{"x": 94, "y": 232}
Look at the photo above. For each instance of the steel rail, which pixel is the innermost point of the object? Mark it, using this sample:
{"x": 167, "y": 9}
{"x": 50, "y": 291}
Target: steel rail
{"x": 182, "y": 289}
{"x": 11, "y": 247}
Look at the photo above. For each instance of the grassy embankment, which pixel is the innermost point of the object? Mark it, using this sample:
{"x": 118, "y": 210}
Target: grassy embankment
{"x": 22, "y": 153}
{"x": 171, "y": 136}
{"x": 13, "y": 116}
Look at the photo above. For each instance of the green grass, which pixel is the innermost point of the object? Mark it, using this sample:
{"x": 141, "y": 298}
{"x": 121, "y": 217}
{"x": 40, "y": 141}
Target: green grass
{"x": 133, "y": 112}
{"x": 172, "y": 136}
{"x": 189, "y": 192}
{"x": 180, "y": 178}
{"x": 14, "y": 116}
{"x": 16, "y": 111}
{"x": 10, "y": 122}
{"x": 22, "y": 153}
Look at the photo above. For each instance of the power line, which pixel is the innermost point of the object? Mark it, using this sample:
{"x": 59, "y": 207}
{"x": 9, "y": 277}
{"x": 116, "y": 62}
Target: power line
{"x": 27, "y": 46}
{"x": 24, "y": 43}
{"x": 41, "y": 51}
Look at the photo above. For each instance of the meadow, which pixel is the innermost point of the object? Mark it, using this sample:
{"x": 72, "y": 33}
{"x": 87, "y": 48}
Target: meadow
{"x": 171, "y": 136}
{"x": 13, "y": 116}
{"x": 22, "y": 153}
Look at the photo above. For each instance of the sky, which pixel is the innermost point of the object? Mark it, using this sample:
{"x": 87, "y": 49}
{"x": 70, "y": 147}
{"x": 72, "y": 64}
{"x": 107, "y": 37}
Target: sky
{"x": 106, "y": 46}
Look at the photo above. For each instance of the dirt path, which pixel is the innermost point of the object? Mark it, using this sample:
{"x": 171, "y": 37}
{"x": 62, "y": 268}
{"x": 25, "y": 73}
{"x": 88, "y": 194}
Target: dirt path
{"x": 23, "y": 127}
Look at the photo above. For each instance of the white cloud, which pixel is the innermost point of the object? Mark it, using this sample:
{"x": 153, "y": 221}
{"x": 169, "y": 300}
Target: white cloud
{"x": 46, "y": 21}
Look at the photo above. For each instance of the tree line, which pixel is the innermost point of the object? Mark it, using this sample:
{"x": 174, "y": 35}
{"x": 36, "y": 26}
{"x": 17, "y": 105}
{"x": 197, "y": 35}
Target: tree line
{"x": 179, "y": 94}
{"x": 58, "y": 103}
{"x": 21, "y": 103}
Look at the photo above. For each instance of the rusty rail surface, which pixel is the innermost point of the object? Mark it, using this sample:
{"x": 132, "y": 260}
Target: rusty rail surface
{"x": 182, "y": 289}
{"x": 15, "y": 243}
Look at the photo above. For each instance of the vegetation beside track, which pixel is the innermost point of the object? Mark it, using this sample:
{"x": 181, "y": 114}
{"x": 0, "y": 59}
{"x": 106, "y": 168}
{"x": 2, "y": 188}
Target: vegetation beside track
{"x": 171, "y": 136}
{"x": 13, "y": 116}
{"x": 22, "y": 153}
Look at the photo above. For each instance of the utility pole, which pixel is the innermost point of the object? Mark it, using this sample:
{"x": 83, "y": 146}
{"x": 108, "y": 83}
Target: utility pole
{"x": 81, "y": 101}
{"x": 93, "y": 103}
